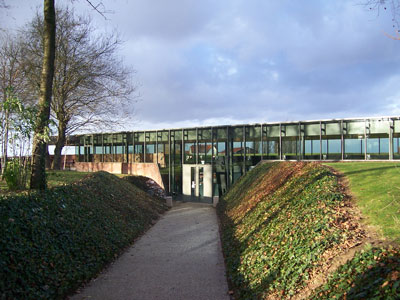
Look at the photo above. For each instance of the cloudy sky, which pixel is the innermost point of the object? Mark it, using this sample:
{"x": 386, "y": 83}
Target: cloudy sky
{"x": 236, "y": 61}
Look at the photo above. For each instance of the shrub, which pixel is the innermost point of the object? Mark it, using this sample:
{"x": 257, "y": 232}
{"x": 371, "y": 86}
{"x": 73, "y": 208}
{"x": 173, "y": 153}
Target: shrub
{"x": 15, "y": 175}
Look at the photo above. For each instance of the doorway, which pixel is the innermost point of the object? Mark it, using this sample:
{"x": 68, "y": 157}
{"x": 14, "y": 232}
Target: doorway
{"x": 197, "y": 183}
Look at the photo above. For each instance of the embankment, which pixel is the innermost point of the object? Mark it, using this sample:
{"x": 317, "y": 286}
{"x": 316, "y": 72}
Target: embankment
{"x": 52, "y": 242}
{"x": 289, "y": 230}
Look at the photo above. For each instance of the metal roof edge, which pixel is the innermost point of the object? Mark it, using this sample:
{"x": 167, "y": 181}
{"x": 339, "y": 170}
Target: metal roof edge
{"x": 248, "y": 124}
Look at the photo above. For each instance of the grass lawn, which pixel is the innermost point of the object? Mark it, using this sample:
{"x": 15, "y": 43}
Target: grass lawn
{"x": 54, "y": 178}
{"x": 376, "y": 186}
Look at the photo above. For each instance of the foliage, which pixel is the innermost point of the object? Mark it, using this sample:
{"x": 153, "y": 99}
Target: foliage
{"x": 24, "y": 116}
{"x": 277, "y": 222}
{"x": 15, "y": 175}
{"x": 17, "y": 122}
{"x": 373, "y": 273}
{"x": 11, "y": 83}
{"x": 139, "y": 181}
{"x": 20, "y": 120}
{"x": 55, "y": 240}
{"x": 280, "y": 224}
{"x": 375, "y": 186}
{"x": 148, "y": 185}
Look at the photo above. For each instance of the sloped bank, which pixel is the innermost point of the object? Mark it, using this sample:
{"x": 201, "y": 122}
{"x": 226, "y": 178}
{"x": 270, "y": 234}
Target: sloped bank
{"x": 288, "y": 230}
{"x": 54, "y": 241}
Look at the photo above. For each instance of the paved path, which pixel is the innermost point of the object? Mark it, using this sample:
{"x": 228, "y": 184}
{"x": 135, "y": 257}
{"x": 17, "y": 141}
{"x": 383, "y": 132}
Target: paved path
{"x": 178, "y": 258}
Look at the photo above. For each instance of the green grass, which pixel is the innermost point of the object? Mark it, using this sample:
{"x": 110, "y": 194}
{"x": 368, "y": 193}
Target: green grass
{"x": 376, "y": 187}
{"x": 54, "y": 178}
{"x": 57, "y": 178}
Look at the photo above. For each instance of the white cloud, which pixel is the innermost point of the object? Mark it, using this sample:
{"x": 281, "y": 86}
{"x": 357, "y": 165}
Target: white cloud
{"x": 231, "y": 71}
{"x": 274, "y": 75}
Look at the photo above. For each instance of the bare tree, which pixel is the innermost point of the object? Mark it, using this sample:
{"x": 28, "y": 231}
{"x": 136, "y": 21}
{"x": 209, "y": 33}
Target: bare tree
{"x": 38, "y": 174}
{"x": 391, "y": 6}
{"x": 92, "y": 87}
{"x": 3, "y": 4}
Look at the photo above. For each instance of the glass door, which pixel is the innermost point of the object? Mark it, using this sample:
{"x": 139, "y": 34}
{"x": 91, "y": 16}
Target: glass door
{"x": 193, "y": 181}
{"x": 201, "y": 181}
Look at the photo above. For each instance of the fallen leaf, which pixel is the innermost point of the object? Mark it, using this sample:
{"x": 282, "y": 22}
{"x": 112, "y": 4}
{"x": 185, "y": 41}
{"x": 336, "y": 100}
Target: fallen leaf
{"x": 394, "y": 275}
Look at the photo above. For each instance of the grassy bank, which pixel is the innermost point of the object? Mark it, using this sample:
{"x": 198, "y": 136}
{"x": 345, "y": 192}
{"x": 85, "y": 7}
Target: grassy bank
{"x": 54, "y": 241}
{"x": 376, "y": 187}
{"x": 286, "y": 226}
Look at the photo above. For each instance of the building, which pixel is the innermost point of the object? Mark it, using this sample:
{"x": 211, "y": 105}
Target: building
{"x": 225, "y": 153}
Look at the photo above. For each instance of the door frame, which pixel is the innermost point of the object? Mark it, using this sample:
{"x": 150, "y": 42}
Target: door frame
{"x": 187, "y": 182}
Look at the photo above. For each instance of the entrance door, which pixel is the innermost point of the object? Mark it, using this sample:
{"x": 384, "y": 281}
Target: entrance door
{"x": 197, "y": 183}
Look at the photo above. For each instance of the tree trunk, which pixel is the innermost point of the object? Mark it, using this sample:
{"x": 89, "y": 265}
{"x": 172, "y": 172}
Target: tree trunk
{"x": 38, "y": 175}
{"x": 59, "y": 146}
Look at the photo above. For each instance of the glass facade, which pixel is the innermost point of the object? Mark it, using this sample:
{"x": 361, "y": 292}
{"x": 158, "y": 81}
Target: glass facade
{"x": 233, "y": 150}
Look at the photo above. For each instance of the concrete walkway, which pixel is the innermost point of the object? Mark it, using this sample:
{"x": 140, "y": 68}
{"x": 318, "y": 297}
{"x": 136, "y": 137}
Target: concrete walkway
{"x": 178, "y": 258}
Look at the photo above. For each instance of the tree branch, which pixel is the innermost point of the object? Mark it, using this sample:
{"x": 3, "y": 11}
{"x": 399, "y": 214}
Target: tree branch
{"x": 96, "y": 8}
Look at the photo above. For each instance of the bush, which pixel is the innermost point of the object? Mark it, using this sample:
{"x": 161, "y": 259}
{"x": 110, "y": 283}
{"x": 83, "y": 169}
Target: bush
{"x": 15, "y": 175}
{"x": 52, "y": 242}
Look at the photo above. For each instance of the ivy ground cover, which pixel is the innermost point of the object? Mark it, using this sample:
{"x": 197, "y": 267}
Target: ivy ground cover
{"x": 283, "y": 225}
{"x": 52, "y": 242}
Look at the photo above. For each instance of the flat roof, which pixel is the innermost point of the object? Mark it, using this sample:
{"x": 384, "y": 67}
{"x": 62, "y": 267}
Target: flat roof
{"x": 250, "y": 124}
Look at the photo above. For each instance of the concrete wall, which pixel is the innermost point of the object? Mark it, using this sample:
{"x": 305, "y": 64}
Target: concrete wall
{"x": 111, "y": 167}
{"x": 150, "y": 170}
